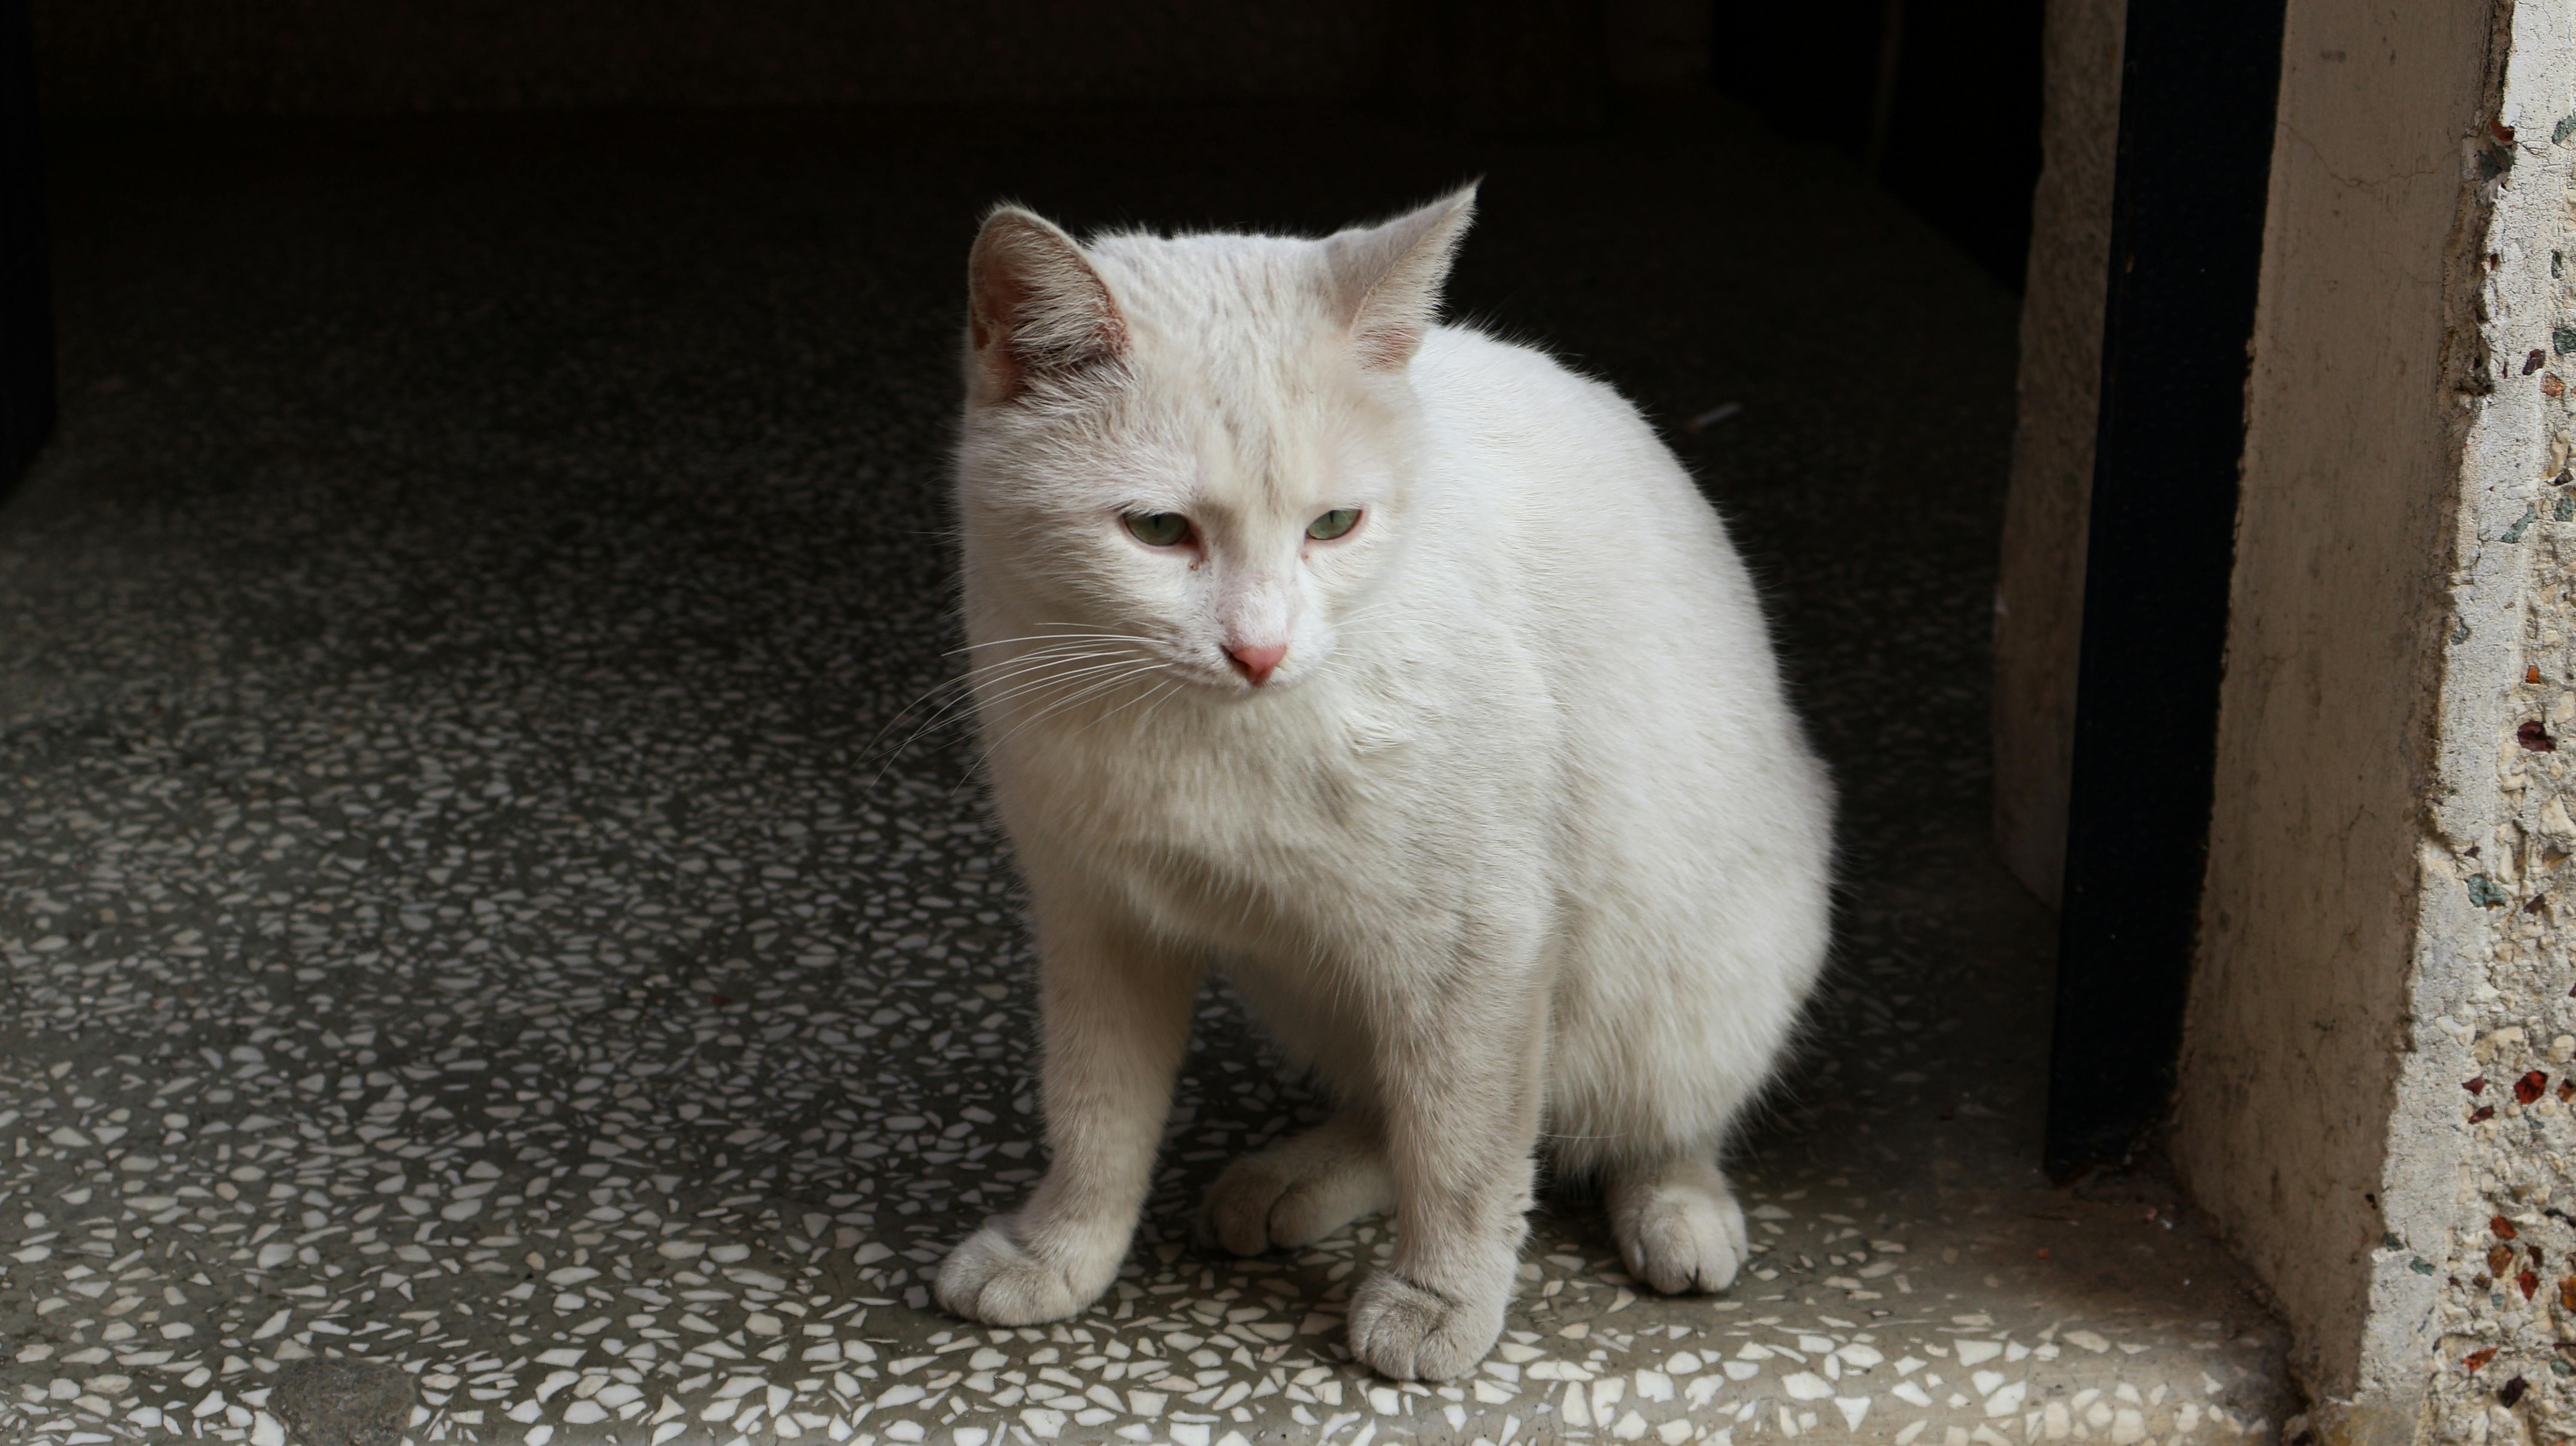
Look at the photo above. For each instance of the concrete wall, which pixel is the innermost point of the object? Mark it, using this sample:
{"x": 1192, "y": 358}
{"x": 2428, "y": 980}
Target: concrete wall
{"x": 2325, "y": 757}
{"x": 2039, "y": 592}
{"x": 361, "y": 56}
{"x": 2397, "y": 615}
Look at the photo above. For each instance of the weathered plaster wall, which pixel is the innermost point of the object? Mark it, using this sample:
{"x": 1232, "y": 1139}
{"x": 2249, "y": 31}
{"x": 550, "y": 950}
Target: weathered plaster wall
{"x": 2370, "y": 942}
{"x": 2039, "y": 591}
{"x": 2336, "y": 616}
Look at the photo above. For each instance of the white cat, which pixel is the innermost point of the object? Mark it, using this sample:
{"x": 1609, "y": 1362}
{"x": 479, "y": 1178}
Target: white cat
{"x": 1403, "y": 674}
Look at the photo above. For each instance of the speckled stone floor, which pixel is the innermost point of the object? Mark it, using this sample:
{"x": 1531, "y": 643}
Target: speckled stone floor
{"x": 483, "y": 962}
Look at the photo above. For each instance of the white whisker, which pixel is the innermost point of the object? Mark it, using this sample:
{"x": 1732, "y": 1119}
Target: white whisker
{"x": 1020, "y": 682}
{"x": 1001, "y": 669}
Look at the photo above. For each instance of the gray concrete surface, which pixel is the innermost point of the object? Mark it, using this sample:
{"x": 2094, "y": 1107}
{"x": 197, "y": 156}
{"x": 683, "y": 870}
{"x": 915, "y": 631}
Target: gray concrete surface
{"x": 468, "y": 904}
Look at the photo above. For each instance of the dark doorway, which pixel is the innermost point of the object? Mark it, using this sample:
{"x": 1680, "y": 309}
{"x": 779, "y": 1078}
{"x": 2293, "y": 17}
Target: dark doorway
{"x": 2196, "y": 127}
{"x": 1937, "y": 100}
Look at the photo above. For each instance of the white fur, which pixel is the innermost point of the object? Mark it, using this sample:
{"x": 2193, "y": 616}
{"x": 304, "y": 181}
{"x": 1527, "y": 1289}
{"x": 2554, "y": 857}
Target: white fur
{"x": 1519, "y": 847}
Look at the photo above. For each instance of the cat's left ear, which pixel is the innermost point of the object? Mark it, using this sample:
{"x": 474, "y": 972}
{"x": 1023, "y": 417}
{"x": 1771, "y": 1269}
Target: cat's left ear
{"x": 1387, "y": 277}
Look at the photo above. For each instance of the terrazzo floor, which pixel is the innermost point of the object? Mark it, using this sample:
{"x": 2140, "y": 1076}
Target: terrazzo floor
{"x": 482, "y": 965}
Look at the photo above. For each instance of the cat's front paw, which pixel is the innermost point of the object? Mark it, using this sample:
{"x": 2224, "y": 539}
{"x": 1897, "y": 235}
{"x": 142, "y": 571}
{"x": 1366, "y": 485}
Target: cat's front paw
{"x": 994, "y": 1278}
{"x": 1680, "y": 1236}
{"x": 1408, "y": 1332}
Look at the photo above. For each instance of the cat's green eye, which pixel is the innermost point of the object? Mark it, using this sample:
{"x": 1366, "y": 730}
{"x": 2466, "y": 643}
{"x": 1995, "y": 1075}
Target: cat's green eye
{"x": 1333, "y": 524}
{"x": 1158, "y": 529}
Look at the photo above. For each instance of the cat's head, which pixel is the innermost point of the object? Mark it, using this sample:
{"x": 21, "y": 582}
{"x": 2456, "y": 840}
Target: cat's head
{"x": 1194, "y": 450}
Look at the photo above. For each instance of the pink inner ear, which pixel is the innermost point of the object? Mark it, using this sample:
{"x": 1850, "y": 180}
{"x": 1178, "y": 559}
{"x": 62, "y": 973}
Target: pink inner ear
{"x": 995, "y": 306}
{"x": 1036, "y": 304}
{"x": 1384, "y": 347}
{"x": 1392, "y": 273}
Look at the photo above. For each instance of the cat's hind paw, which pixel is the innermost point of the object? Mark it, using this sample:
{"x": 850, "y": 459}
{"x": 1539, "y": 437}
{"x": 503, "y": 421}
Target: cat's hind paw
{"x": 993, "y": 1278}
{"x": 1297, "y": 1193}
{"x": 1408, "y": 1333}
{"x": 1679, "y": 1229}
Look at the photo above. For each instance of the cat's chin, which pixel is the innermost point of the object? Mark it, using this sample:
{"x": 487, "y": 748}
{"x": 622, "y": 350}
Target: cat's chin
{"x": 1247, "y": 692}
{"x": 1232, "y": 686}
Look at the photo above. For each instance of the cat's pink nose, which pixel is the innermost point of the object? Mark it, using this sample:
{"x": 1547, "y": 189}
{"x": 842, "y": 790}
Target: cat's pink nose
{"x": 1256, "y": 663}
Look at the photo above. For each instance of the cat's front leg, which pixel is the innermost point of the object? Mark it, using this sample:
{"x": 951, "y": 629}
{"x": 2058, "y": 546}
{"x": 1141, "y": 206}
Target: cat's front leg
{"x": 1115, "y": 1008}
{"x": 1461, "y": 1085}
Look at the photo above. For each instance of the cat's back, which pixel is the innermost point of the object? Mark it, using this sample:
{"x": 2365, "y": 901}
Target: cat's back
{"x": 1582, "y": 534}
{"x": 1685, "y": 788}
{"x": 1482, "y": 391}
{"x": 1558, "y": 481}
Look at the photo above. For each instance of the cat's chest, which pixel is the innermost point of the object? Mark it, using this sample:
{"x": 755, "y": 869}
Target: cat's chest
{"x": 1269, "y": 802}
{"x": 1240, "y": 794}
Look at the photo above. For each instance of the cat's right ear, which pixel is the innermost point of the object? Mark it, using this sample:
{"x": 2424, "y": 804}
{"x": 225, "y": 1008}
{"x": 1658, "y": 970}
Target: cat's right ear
{"x": 1035, "y": 307}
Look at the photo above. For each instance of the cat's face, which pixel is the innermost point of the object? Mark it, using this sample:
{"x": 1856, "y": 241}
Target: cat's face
{"x": 1187, "y": 456}
{"x": 1223, "y": 527}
